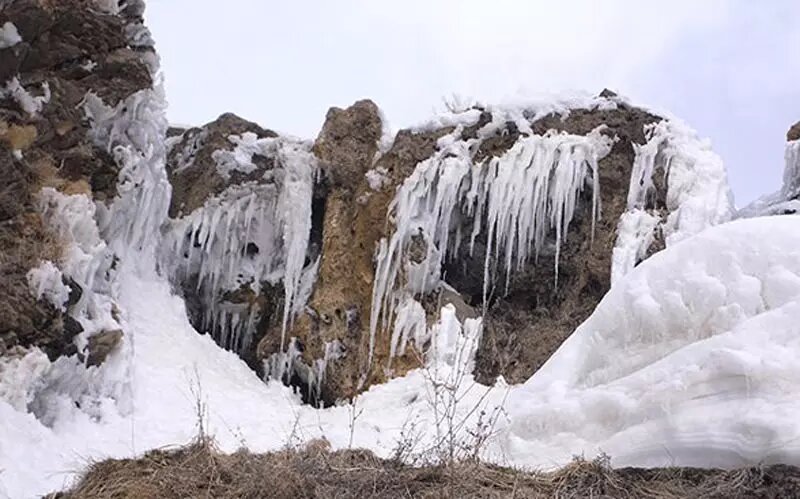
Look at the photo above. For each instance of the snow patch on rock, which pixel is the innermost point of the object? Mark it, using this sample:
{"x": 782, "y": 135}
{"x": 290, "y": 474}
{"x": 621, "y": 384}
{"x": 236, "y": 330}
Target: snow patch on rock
{"x": 29, "y": 103}
{"x": 9, "y": 36}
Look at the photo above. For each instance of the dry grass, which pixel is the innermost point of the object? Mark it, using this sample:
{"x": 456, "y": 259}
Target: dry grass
{"x": 199, "y": 470}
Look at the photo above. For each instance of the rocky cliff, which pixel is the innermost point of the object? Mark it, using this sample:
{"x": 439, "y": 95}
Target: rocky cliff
{"x": 321, "y": 263}
{"x": 58, "y": 61}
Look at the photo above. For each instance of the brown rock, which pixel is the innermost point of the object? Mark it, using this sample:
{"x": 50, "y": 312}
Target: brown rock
{"x": 193, "y": 170}
{"x": 348, "y": 142}
{"x": 59, "y": 38}
{"x": 794, "y": 132}
{"x": 101, "y": 345}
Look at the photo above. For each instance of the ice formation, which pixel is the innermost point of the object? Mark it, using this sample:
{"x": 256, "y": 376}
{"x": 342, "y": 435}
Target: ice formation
{"x": 697, "y": 194}
{"x": 518, "y": 199}
{"x": 250, "y": 234}
{"x": 46, "y": 282}
{"x": 29, "y": 103}
{"x": 688, "y": 361}
{"x": 785, "y": 201}
{"x": 133, "y": 132}
{"x": 9, "y": 36}
{"x": 240, "y": 159}
{"x": 791, "y": 174}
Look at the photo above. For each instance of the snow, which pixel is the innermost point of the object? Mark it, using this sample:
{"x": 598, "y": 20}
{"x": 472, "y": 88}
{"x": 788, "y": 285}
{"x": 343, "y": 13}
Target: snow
{"x": 522, "y": 110}
{"x": 688, "y": 361}
{"x": 9, "y": 36}
{"x": 524, "y": 194}
{"x": 241, "y": 158}
{"x": 377, "y": 178}
{"x": 697, "y": 197}
{"x": 172, "y": 367}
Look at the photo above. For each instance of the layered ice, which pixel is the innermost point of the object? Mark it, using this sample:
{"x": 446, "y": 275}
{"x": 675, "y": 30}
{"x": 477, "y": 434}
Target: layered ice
{"x": 517, "y": 199}
{"x": 689, "y": 361}
{"x": 47, "y": 283}
{"x": 133, "y": 131}
{"x": 697, "y": 193}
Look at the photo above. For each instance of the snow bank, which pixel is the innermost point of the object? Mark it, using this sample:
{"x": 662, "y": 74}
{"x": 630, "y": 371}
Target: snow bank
{"x": 698, "y": 195}
{"x": 690, "y": 360}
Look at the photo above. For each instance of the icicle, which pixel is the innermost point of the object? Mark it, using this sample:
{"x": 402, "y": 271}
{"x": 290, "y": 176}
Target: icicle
{"x": 523, "y": 195}
{"x": 697, "y": 194}
{"x": 273, "y": 218}
{"x": 410, "y": 323}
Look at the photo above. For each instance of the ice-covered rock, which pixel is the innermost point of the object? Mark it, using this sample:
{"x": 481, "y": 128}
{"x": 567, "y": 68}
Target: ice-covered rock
{"x": 786, "y": 201}
{"x": 237, "y": 245}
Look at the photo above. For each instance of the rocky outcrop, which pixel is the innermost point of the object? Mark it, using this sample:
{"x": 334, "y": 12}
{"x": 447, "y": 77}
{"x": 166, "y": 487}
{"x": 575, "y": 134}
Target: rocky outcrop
{"x": 793, "y": 133}
{"x": 62, "y": 52}
{"x": 320, "y": 330}
{"x": 193, "y": 170}
{"x": 232, "y": 211}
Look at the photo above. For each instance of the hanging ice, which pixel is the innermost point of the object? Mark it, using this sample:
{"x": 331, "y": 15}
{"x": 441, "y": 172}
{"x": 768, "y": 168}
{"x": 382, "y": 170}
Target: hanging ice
{"x": 134, "y": 132}
{"x": 791, "y": 174}
{"x": 250, "y": 234}
{"x": 697, "y": 194}
{"x": 518, "y": 199}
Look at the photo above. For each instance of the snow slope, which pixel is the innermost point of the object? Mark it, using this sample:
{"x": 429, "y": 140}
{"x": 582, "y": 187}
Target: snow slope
{"x": 690, "y": 360}
{"x": 172, "y": 367}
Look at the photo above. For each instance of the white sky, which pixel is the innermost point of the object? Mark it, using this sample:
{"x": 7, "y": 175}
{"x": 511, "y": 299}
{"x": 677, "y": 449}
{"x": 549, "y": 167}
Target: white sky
{"x": 731, "y": 68}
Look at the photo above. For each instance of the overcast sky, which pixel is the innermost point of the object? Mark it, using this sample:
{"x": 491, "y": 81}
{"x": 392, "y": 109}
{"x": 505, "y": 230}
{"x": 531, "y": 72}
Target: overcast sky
{"x": 731, "y": 68}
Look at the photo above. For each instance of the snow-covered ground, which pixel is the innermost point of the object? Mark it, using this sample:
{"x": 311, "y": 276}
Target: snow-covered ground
{"x": 172, "y": 368}
{"x": 689, "y": 360}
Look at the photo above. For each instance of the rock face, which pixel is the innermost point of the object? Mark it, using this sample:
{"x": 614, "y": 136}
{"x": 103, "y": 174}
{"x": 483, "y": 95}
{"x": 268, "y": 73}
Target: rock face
{"x": 330, "y": 342}
{"x": 67, "y": 50}
{"x": 793, "y": 133}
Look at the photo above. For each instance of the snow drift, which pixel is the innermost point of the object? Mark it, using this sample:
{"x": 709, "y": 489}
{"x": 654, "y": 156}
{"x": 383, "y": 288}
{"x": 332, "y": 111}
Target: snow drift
{"x": 690, "y": 360}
